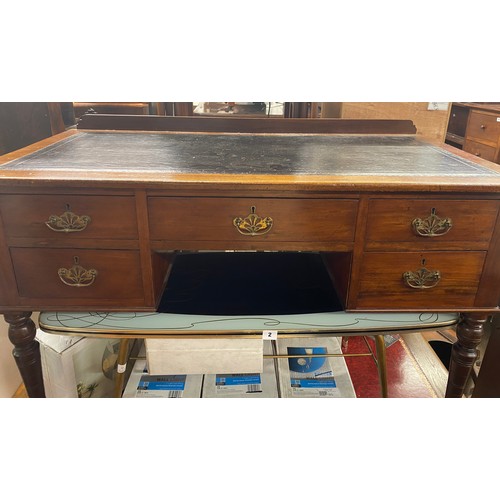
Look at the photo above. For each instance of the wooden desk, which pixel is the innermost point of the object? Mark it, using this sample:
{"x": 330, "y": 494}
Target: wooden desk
{"x": 91, "y": 219}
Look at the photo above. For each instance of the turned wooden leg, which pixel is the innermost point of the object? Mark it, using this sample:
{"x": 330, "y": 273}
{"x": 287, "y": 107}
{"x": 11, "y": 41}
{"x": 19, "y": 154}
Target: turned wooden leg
{"x": 464, "y": 352}
{"x": 26, "y": 352}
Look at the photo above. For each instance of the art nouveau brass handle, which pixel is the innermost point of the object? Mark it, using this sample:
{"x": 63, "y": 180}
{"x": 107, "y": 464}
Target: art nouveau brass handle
{"x": 68, "y": 222}
{"x": 432, "y": 226}
{"x": 77, "y": 275}
{"x": 253, "y": 225}
{"x": 422, "y": 278}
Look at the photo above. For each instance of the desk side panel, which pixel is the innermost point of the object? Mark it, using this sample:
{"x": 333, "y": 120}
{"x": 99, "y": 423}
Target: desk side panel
{"x": 7, "y": 279}
{"x": 489, "y": 286}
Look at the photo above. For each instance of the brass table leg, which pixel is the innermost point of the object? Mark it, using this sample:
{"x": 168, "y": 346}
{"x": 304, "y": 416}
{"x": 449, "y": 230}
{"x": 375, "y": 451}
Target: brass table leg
{"x": 122, "y": 364}
{"x": 26, "y": 352}
{"x": 381, "y": 364}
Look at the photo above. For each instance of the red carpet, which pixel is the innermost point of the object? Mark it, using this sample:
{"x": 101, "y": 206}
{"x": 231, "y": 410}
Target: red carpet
{"x": 405, "y": 377}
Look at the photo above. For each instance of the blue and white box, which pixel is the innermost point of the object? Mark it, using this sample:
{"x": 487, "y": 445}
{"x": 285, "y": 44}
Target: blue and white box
{"x": 244, "y": 385}
{"x": 311, "y": 375}
{"x": 143, "y": 385}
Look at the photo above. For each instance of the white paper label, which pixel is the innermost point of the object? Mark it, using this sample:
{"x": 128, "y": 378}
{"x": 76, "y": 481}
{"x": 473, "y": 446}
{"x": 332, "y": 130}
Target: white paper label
{"x": 270, "y": 334}
{"x": 437, "y": 106}
{"x": 244, "y": 383}
{"x": 121, "y": 368}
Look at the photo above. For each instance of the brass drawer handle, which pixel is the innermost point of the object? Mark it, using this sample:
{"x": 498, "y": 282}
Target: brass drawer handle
{"x": 68, "y": 222}
{"x": 422, "y": 278}
{"x": 253, "y": 225}
{"x": 432, "y": 226}
{"x": 77, "y": 275}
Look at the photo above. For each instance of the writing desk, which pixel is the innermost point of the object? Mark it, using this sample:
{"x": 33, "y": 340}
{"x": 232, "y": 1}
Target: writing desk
{"x": 91, "y": 218}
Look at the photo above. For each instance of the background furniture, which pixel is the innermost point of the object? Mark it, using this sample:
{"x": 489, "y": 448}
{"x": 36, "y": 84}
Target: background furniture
{"x": 121, "y": 108}
{"x": 290, "y": 109}
{"x": 431, "y": 124}
{"x": 23, "y": 123}
{"x": 475, "y": 128}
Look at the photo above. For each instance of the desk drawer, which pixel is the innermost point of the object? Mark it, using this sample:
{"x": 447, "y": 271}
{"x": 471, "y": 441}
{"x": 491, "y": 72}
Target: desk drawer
{"x": 483, "y": 126}
{"x": 77, "y": 273}
{"x": 69, "y": 216}
{"x": 413, "y": 280}
{"x": 430, "y": 224}
{"x": 252, "y": 220}
{"x": 480, "y": 150}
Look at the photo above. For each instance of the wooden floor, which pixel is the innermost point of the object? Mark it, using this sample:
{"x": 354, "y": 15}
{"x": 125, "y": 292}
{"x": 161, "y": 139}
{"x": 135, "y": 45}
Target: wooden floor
{"x": 425, "y": 356}
{"x": 21, "y": 392}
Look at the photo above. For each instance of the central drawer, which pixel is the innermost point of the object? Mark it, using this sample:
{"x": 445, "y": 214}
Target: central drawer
{"x": 252, "y": 220}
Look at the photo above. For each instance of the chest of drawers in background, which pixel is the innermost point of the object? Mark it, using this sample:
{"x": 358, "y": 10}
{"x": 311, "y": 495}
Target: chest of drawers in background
{"x": 483, "y": 134}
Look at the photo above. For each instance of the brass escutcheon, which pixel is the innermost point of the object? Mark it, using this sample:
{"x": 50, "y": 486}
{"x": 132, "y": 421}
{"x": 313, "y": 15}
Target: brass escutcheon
{"x": 77, "y": 275}
{"x": 253, "y": 225}
{"x": 431, "y": 226}
{"x": 68, "y": 222}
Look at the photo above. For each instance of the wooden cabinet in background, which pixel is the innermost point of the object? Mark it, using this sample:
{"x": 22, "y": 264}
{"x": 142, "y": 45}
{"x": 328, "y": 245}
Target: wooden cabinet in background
{"x": 457, "y": 125}
{"x": 120, "y": 108}
{"x": 24, "y": 123}
{"x": 475, "y": 128}
{"x": 482, "y": 136}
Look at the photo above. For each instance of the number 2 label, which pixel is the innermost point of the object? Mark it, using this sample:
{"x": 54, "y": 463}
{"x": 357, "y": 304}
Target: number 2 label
{"x": 270, "y": 334}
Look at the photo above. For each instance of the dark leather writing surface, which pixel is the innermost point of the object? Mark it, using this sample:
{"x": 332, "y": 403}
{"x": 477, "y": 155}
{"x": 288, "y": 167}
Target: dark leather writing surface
{"x": 250, "y": 154}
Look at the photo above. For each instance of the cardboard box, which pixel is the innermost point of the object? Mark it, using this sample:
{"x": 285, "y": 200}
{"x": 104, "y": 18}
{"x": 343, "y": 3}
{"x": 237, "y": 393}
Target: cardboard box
{"x": 244, "y": 385}
{"x": 143, "y": 385}
{"x": 75, "y": 367}
{"x": 313, "y": 377}
{"x": 212, "y": 356}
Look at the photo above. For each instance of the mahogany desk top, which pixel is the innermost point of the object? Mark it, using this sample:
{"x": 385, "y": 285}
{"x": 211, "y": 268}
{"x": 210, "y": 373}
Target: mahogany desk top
{"x": 321, "y": 160}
